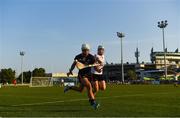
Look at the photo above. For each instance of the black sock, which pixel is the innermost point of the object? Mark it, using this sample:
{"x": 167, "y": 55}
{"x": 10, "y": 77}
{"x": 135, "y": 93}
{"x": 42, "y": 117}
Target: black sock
{"x": 92, "y": 101}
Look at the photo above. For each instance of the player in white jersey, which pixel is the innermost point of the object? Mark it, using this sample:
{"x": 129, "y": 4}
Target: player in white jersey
{"x": 97, "y": 72}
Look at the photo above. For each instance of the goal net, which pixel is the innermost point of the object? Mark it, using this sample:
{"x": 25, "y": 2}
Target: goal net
{"x": 41, "y": 82}
{"x": 52, "y": 81}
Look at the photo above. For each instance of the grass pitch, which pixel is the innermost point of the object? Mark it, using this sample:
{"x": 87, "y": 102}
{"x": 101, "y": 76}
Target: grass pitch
{"x": 117, "y": 100}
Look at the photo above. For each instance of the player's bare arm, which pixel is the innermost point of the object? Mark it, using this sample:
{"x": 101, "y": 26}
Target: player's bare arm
{"x": 71, "y": 69}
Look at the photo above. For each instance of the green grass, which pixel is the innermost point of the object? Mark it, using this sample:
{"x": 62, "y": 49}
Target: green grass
{"x": 121, "y": 100}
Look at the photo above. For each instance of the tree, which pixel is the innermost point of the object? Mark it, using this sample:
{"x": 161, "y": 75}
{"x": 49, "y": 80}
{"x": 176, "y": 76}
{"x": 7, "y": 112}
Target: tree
{"x": 7, "y": 75}
{"x": 26, "y": 77}
{"x": 131, "y": 74}
{"x": 39, "y": 72}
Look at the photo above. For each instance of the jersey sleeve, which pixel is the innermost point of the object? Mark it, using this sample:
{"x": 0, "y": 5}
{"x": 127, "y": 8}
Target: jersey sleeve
{"x": 76, "y": 58}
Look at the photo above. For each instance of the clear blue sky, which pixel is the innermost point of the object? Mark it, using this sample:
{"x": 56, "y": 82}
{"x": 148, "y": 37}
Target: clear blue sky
{"x": 51, "y": 31}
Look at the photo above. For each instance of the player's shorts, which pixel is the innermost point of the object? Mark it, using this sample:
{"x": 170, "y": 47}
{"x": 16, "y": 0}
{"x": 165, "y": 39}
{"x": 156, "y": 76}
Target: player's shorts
{"x": 96, "y": 77}
{"x": 81, "y": 76}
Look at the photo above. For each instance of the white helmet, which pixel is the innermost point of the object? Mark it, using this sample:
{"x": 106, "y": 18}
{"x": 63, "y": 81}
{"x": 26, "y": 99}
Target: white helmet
{"x": 85, "y": 47}
{"x": 100, "y": 47}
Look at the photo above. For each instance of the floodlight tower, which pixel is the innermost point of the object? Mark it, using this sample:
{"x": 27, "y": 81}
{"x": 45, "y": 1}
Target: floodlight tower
{"x": 22, "y": 53}
{"x": 162, "y": 25}
{"x": 121, "y": 35}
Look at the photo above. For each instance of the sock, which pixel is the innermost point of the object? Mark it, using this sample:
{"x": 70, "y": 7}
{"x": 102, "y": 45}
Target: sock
{"x": 92, "y": 101}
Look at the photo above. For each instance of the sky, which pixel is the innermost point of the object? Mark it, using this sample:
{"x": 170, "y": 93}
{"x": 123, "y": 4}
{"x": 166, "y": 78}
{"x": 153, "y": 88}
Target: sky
{"x": 51, "y": 32}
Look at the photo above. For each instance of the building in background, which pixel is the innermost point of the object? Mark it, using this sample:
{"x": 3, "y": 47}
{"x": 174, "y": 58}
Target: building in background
{"x": 172, "y": 59}
{"x": 153, "y": 69}
{"x": 113, "y": 71}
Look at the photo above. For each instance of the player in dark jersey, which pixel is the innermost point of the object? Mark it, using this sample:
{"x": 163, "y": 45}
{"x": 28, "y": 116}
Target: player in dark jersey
{"x": 84, "y": 75}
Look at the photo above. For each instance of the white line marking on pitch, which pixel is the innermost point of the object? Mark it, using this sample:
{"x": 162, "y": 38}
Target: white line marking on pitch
{"x": 27, "y": 96}
{"x": 75, "y": 100}
{"x": 42, "y": 103}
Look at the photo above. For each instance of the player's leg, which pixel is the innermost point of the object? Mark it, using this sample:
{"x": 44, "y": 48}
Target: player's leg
{"x": 88, "y": 86}
{"x": 102, "y": 83}
{"x": 95, "y": 83}
{"x": 90, "y": 93}
{"x": 79, "y": 89}
{"x": 95, "y": 87}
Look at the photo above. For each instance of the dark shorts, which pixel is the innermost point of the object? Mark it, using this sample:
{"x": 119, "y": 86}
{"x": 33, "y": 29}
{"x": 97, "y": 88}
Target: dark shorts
{"x": 80, "y": 76}
{"x": 96, "y": 77}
